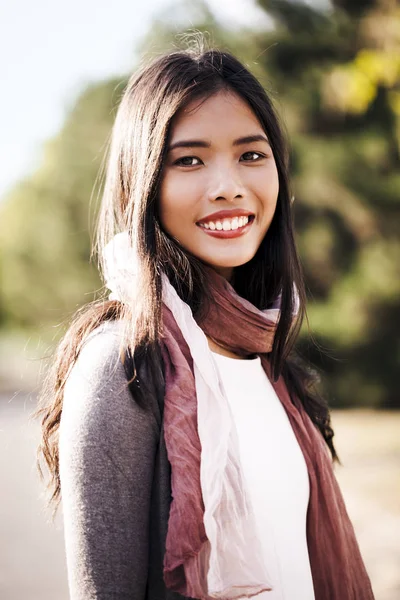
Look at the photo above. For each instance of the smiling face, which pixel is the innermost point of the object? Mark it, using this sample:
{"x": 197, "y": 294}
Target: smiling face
{"x": 219, "y": 159}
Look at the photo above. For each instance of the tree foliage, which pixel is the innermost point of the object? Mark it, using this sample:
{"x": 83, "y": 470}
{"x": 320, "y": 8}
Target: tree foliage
{"x": 337, "y": 77}
{"x": 45, "y": 221}
{"x": 334, "y": 75}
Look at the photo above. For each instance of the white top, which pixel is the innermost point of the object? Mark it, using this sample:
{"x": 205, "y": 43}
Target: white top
{"x": 276, "y": 475}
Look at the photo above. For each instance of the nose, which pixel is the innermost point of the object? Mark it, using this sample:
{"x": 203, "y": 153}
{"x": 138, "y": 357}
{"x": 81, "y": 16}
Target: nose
{"x": 225, "y": 184}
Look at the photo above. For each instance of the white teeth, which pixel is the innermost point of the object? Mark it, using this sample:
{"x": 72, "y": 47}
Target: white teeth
{"x": 226, "y": 224}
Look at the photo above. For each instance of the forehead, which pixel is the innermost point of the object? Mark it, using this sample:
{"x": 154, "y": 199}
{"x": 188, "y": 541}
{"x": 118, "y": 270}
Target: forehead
{"x": 223, "y": 113}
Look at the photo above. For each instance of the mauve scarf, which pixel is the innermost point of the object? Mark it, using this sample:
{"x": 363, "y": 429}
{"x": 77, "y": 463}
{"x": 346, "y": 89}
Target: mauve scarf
{"x": 212, "y": 549}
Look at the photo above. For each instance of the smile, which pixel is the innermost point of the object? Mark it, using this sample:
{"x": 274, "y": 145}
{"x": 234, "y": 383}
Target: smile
{"x": 224, "y": 229}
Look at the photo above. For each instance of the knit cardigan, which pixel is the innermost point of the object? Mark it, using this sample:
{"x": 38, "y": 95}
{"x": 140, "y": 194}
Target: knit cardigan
{"x": 115, "y": 478}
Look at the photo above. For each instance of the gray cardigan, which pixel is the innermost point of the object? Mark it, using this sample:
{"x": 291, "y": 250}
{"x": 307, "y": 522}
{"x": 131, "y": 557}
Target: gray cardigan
{"x": 115, "y": 479}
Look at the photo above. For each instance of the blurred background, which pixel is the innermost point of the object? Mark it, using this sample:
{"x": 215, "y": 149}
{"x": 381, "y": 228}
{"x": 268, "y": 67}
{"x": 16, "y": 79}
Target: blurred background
{"x": 333, "y": 71}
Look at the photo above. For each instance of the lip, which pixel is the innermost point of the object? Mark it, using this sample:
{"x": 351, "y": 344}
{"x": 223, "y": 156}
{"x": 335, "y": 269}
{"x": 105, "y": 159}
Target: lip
{"x": 226, "y": 214}
{"x": 228, "y": 234}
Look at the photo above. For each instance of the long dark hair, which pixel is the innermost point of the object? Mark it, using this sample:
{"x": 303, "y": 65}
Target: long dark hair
{"x": 137, "y": 151}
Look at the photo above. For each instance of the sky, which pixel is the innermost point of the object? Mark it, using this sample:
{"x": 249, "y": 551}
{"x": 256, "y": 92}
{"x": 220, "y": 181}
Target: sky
{"x": 51, "y": 49}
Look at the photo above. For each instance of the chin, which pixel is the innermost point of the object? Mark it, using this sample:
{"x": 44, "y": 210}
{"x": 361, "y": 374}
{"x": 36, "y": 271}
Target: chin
{"x": 231, "y": 262}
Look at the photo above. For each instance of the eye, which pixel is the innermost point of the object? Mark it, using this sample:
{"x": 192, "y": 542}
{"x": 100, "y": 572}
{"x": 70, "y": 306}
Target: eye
{"x": 252, "y": 155}
{"x": 185, "y": 161}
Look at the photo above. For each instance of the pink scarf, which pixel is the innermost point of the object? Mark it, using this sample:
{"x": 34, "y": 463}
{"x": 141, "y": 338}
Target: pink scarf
{"x": 337, "y": 568}
{"x": 212, "y": 548}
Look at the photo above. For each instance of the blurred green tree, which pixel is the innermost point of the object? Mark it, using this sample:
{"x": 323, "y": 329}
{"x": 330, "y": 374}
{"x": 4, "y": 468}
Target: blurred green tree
{"x": 337, "y": 76}
{"x": 334, "y": 76}
{"x": 44, "y": 226}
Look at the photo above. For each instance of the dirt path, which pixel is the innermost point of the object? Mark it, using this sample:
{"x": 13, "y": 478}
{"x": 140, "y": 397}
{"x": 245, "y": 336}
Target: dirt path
{"x": 32, "y": 550}
{"x": 32, "y": 562}
{"x": 368, "y": 443}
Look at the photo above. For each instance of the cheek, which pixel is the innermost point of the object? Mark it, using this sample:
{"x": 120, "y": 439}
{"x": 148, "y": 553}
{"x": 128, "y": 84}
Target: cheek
{"x": 273, "y": 178}
{"x": 168, "y": 201}
{"x": 267, "y": 189}
{"x": 176, "y": 202}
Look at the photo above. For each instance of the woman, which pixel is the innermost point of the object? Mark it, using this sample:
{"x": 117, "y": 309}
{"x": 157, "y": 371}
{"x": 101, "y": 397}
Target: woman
{"x": 192, "y": 456}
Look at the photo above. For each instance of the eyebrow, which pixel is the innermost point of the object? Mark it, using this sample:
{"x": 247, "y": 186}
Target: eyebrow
{"x": 248, "y": 139}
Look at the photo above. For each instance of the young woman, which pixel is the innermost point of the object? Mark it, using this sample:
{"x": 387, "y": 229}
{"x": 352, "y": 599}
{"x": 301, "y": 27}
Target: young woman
{"x": 192, "y": 456}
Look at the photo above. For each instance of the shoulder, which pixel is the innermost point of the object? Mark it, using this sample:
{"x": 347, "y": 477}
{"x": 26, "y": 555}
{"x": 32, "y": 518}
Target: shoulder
{"x": 96, "y": 393}
{"x": 99, "y": 358}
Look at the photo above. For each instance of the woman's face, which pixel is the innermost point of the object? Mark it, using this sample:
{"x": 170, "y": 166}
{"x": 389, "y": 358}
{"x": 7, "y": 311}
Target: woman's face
{"x": 219, "y": 159}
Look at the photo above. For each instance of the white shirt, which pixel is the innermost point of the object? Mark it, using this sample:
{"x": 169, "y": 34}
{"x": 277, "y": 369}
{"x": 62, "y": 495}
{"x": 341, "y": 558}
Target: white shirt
{"x": 275, "y": 473}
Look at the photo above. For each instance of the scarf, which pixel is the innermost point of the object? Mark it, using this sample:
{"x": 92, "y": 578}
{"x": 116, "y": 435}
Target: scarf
{"x": 212, "y": 548}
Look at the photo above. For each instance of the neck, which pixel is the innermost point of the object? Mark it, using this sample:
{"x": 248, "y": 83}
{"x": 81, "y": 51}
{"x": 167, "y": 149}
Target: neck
{"x": 215, "y": 347}
{"x": 226, "y": 272}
